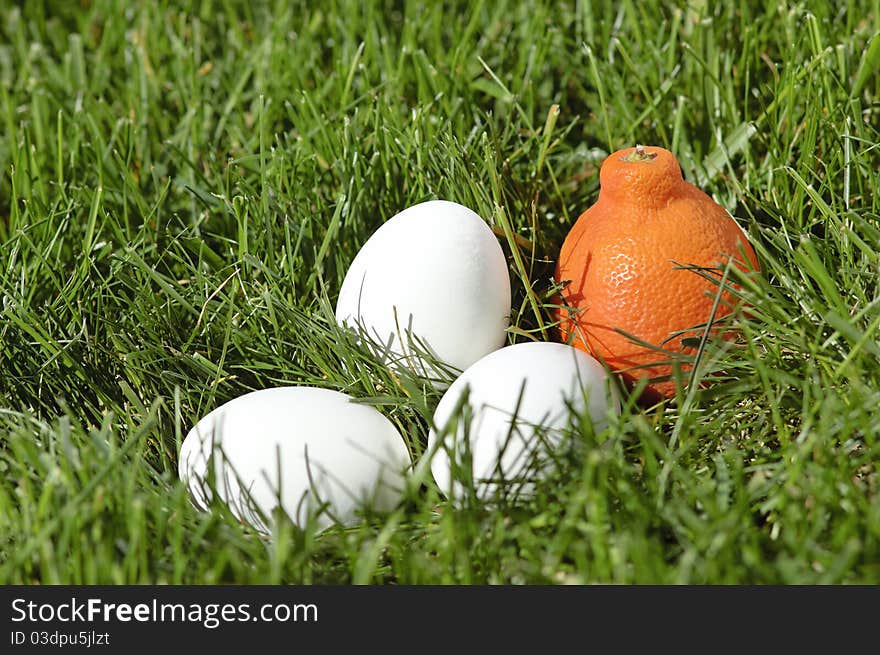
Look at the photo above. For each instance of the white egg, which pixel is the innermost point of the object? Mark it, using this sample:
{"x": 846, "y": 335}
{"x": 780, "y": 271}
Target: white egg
{"x": 431, "y": 280}
{"x": 520, "y": 399}
{"x": 298, "y": 447}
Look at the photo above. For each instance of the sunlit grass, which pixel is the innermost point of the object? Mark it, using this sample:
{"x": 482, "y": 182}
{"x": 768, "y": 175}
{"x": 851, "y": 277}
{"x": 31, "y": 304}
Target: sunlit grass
{"x": 182, "y": 188}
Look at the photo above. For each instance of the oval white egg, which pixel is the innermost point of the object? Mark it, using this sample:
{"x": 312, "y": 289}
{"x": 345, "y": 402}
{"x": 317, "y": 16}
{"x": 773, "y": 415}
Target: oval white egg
{"x": 432, "y": 279}
{"x": 298, "y": 447}
{"x": 520, "y": 399}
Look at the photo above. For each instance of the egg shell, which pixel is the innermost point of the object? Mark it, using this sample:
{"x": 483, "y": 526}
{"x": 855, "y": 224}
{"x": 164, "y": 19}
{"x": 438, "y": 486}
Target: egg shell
{"x": 432, "y": 279}
{"x": 538, "y": 384}
{"x": 326, "y": 447}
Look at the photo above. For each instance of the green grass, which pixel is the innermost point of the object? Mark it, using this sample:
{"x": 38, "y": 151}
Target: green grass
{"x": 182, "y": 187}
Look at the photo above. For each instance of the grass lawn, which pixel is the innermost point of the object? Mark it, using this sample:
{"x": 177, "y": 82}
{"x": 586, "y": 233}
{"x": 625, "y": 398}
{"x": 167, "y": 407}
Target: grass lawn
{"x": 184, "y": 184}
